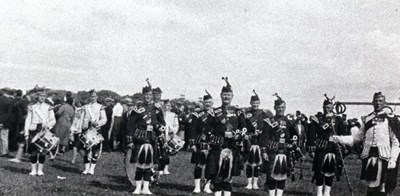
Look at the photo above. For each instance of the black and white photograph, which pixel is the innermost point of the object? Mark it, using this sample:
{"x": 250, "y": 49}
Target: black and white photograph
{"x": 218, "y": 98}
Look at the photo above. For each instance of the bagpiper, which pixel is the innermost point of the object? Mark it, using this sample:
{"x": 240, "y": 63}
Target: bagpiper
{"x": 252, "y": 151}
{"x": 40, "y": 117}
{"x": 277, "y": 142}
{"x": 199, "y": 130}
{"x": 145, "y": 126}
{"x": 379, "y": 135}
{"x": 224, "y": 158}
{"x": 94, "y": 118}
{"x": 328, "y": 156}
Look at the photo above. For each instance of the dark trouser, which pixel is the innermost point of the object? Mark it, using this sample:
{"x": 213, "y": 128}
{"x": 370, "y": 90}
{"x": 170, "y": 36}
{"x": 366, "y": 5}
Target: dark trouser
{"x": 39, "y": 156}
{"x": 321, "y": 180}
{"x": 13, "y": 136}
{"x": 253, "y": 171}
{"x": 106, "y": 141}
{"x": 198, "y": 170}
{"x": 163, "y": 162}
{"x": 35, "y": 155}
{"x": 143, "y": 174}
{"x": 116, "y": 135}
{"x": 275, "y": 184}
{"x": 222, "y": 186}
{"x": 95, "y": 154}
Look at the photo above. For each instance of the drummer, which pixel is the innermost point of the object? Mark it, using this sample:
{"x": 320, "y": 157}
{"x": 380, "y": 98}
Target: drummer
{"x": 40, "y": 116}
{"x": 95, "y": 117}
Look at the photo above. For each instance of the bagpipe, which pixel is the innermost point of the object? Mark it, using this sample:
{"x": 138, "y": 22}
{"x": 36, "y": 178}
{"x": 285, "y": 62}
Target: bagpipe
{"x": 296, "y": 156}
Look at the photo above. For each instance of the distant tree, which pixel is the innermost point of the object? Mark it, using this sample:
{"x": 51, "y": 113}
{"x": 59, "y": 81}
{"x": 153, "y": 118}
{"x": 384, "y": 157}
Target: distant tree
{"x": 107, "y": 93}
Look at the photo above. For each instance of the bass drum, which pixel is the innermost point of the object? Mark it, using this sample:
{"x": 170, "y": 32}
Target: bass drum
{"x": 130, "y": 168}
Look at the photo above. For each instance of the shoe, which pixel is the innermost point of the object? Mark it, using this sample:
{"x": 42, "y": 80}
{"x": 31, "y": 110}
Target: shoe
{"x": 146, "y": 190}
{"x": 91, "y": 170}
{"x": 40, "y": 170}
{"x": 207, "y": 188}
{"x": 166, "y": 172}
{"x": 87, "y": 168}
{"x": 15, "y": 160}
{"x": 197, "y": 186}
{"x": 34, "y": 169}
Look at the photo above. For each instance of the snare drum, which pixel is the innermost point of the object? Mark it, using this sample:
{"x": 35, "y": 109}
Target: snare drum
{"x": 174, "y": 145}
{"x": 91, "y": 138}
{"x": 45, "y": 141}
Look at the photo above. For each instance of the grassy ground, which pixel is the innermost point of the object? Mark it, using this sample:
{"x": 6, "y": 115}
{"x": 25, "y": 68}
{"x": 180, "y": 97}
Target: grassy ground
{"x": 110, "y": 179}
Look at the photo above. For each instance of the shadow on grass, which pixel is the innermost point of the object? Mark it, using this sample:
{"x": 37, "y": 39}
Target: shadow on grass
{"x": 174, "y": 186}
{"x": 114, "y": 187}
{"x": 119, "y": 179}
{"x": 67, "y": 169}
{"x": 17, "y": 170}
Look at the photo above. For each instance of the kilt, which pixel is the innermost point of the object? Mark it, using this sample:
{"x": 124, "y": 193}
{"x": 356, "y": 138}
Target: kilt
{"x": 212, "y": 165}
{"x": 327, "y": 162}
{"x": 374, "y": 169}
{"x": 253, "y": 157}
{"x": 144, "y": 155}
{"x": 279, "y": 165}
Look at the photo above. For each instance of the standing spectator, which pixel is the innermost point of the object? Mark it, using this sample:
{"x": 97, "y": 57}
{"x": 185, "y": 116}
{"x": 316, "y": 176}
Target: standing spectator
{"x": 116, "y": 123}
{"x": 130, "y": 106}
{"x": 65, "y": 116}
{"x": 5, "y": 114}
{"x": 14, "y": 124}
{"x": 20, "y": 110}
{"x": 106, "y": 128}
{"x": 171, "y": 129}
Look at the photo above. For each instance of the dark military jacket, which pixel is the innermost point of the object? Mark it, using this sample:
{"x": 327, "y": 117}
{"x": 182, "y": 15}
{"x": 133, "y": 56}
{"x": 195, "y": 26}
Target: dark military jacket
{"x": 254, "y": 124}
{"x": 145, "y": 124}
{"x": 277, "y": 133}
{"x": 226, "y": 119}
{"x": 322, "y": 127}
{"x": 200, "y": 126}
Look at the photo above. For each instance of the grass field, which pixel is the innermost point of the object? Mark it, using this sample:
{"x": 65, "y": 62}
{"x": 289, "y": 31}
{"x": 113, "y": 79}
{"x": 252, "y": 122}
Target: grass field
{"x": 110, "y": 179}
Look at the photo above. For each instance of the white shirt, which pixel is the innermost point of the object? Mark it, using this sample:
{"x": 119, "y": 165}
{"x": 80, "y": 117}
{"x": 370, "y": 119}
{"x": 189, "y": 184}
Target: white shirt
{"x": 117, "y": 110}
{"x": 39, "y": 113}
{"x": 94, "y": 112}
{"x": 171, "y": 123}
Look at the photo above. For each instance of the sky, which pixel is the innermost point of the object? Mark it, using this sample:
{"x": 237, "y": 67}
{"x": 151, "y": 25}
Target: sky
{"x": 298, "y": 49}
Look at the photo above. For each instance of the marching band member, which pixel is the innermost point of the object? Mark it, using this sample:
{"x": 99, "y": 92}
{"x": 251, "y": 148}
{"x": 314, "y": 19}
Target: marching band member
{"x": 276, "y": 144}
{"x": 76, "y": 128}
{"x": 40, "y": 116}
{"x": 199, "y": 133}
{"x": 95, "y": 117}
{"x": 254, "y": 123}
{"x": 144, "y": 128}
{"x": 380, "y": 135}
{"x": 328, "y": 157}
{"x": 223, "y": 161}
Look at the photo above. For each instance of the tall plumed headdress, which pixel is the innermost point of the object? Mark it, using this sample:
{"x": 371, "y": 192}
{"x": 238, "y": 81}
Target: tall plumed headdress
{"x": 279, "y": 101}
{"x": 328, "y": 100}
{"x": 207, "y": 96}
{"x": 255, "y": 96}
{"x": 228, "y": 87}
{"x": 147, "y": 88}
